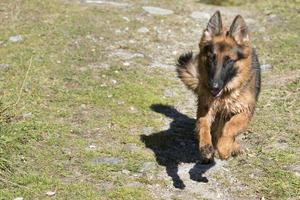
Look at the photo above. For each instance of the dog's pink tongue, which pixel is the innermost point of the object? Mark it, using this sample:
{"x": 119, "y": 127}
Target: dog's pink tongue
{"x": 216, "y": 93}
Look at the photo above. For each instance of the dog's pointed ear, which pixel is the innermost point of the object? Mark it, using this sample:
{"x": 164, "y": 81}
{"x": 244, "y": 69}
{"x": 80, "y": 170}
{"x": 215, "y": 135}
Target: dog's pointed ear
{"x": 239, "y": 30}
{"x": 214, "y": 26}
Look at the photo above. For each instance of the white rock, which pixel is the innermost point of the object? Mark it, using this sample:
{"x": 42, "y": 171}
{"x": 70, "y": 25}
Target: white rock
{"x": 143, "y": 30}
{"x": 126, "y": 63}
{"x": 200, "y": 15}
{"x": 126, "y": 19}
{"x": 92, "y": 146}
{"x": 16, "y": 38}
{"x": 105, "y": 2}
{"x": 266, "y": 67}
{"x": 27, "y": 115}
{"x": 50, "y": 193}
{"x": 157, "y": 10}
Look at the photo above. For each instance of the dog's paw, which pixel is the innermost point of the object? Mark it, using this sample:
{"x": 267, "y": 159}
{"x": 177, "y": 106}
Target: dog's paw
{"x": 222, "y": 156}
{"x": 207, "y": 153}
{"x": 236, "y": 150}
{"x": 224, "y": 153}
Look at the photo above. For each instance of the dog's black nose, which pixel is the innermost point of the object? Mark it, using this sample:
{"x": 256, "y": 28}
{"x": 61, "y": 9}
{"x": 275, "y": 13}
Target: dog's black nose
{"x": 215, "y": 86}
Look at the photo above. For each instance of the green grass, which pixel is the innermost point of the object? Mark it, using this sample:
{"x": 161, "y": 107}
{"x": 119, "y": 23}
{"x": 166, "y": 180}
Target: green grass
{"x": 64, "y": 104}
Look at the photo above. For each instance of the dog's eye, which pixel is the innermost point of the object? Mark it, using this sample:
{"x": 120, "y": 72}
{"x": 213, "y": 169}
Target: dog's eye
{"x": 228, "y": 61}
{"x": 212, "y": 56}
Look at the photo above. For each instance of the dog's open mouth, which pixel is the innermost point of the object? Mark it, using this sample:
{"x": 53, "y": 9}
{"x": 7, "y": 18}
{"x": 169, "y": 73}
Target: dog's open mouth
{"x": 217, "y": 93}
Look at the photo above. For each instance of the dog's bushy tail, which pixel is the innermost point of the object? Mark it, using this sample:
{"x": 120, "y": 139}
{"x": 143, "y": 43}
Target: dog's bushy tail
{"x": 187, "y": 70}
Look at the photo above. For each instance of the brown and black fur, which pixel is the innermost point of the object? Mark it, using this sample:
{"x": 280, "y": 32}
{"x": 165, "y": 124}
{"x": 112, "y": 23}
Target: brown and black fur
{"x": 225, "y": 76}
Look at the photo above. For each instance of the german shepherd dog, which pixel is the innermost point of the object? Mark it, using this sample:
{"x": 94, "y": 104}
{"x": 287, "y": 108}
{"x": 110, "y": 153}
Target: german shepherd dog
{"x": 225, "y": 76}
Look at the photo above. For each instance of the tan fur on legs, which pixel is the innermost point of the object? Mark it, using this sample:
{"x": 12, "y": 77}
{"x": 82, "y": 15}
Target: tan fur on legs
{"x": 226, "y": 144}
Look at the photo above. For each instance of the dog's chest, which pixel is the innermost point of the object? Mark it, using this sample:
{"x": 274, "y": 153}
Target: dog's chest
{"x": 230, "y": 105}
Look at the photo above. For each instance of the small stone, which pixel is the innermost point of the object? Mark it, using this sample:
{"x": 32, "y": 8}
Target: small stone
{"x": 135, "y": 184}
{"x": 4, "y": 66}
{"x": 125, "y": 171}
{"x": 266, "y": 67}
{"x": 157, "y": 10}
{"x": 295, "y": 169}
{"x": 114, "y": 81}
{"x": 266, "y": 38}
{"x": 83, "y": 69}
{"x": 107, "y": 160}
{"x": 126, "y": 64}
{"x": 91, "y": 38}
{"x": 148, "y": 166}
{"x": 113, "y": 3}
{"x": 126, "y": 19}
{"x": 16, "y": 38}
{"x": 83, "y": 106}
{"x": 120, "y": 102}
{"x": 143, "y": 30}
{"x": 200, "y": 15}
{"x": 92, "y": 146}
{"x": 133, "y": 109}
{"x": 272, "y": 18}
{"x": 50, "y": 193}
{"x": 27, "y": 115}
{"x": 118, "y": 31}
{"x": 19, "y": 198}
{"x": 148, "y": 130}
{"x": 98, "y": 66}
{"x": 168, "y": 93}
{"x": 132, "y": 148}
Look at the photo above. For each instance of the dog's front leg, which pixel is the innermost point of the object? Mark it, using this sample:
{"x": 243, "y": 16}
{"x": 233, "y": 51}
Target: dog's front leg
{"x": 226, "y": 144}
{"x": 204, "y": 137}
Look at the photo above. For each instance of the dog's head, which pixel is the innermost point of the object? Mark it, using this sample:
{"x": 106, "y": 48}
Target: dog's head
{"x": 222, "y": 50}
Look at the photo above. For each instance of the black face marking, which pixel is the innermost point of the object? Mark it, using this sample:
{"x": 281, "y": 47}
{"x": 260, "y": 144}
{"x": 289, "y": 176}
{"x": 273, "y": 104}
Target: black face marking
{"x": 228, "y": 71}
{"x": 211, "y": 65}
{"x": 220, "y": 72}
{"x": 239, "y": 52}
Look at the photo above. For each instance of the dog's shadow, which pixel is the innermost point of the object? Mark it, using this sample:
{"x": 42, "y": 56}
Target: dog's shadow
{"x": 177, "y": 145}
